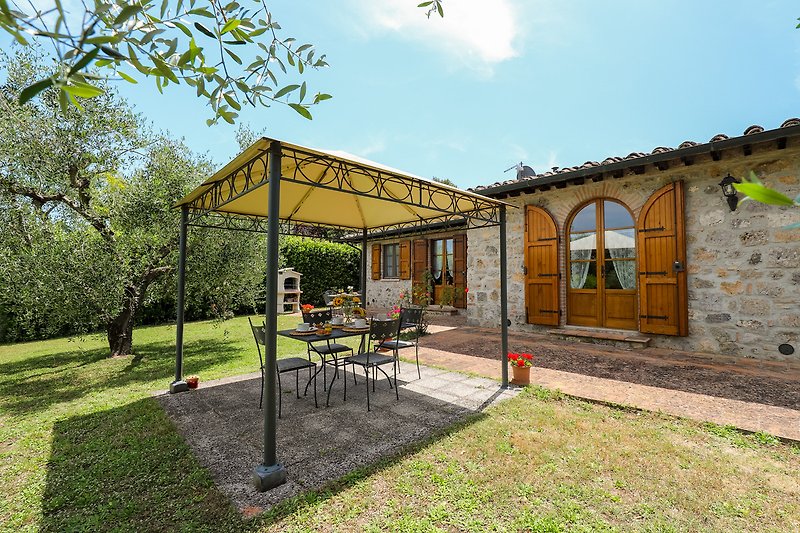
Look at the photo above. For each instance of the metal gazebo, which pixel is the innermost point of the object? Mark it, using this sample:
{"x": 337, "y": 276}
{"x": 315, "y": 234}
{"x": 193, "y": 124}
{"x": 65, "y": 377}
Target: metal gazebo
{"x": 278, "y": 187}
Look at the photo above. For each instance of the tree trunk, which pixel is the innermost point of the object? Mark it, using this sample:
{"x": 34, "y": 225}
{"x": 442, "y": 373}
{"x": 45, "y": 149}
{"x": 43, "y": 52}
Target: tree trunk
{"x": 120, "y": 332}
{"x": 120, "y": 328}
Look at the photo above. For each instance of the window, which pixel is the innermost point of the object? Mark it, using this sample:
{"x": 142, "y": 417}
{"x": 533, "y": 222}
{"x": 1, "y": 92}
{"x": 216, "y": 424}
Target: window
{"x": 442, "y": 261}
{"x": 390, "y": 261}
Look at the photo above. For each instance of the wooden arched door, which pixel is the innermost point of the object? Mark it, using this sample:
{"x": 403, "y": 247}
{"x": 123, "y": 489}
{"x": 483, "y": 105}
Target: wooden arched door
{"x": 541, "y": 267}
{"x": 662, "y": 263}
{"x": 601, "y": 270}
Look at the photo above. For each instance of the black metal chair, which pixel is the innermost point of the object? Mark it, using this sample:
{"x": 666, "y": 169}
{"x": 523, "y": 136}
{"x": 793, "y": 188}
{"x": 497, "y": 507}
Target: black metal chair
{"x": 379, "y": 332}
{"x": 288, "y": 364}
{"x": 410, "y": 318}
{"x": 320, "y": 316}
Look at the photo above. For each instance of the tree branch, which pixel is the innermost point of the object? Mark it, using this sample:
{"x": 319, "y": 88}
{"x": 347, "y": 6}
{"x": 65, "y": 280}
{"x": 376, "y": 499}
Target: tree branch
{"x": 80, "y": 207}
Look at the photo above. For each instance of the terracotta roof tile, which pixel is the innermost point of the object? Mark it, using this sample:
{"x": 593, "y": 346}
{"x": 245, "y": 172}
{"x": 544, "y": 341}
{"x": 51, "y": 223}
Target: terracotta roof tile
{"x": 755, "y": 128}
{"x": 635, "y": 155}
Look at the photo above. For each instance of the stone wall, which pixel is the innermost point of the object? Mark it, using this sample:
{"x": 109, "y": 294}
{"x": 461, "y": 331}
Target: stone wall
{"x": 383, "y": 293}
{"x": 743, "y": 267}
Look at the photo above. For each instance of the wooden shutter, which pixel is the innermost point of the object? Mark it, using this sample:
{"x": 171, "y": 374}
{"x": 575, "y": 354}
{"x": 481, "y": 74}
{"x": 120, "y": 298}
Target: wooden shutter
{"x": 419, "y": 262}
{"x": 541, "y": 264}
{"x": 376, "y": 261}
{"x": 405, "y": 260}
{"x": 460, "y": 270}
{"x": 661, "y": 251}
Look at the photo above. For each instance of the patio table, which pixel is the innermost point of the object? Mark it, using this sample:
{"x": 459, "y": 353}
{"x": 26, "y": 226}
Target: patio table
{"x": 337, "y": 333}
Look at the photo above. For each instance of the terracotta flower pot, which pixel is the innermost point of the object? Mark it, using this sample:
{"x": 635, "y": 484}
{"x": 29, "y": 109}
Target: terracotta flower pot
{"x": 522, "y": 375}
{"x": 193, "y": 382}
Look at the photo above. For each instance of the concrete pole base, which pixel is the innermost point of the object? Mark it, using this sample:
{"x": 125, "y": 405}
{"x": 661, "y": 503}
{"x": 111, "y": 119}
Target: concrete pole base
{"x": 269, "y": 477}
{"x": 178, "y": 386}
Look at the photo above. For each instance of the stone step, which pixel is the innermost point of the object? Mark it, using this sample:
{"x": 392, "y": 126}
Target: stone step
{"x": 441, "y": 310}
{"x": 612, "y": 337}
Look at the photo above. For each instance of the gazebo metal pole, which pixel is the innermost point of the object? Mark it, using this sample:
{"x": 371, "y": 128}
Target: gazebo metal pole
{"x": 503, "y": 296}
{"x": 364, "y": 269}
{"x": 270, "y": 473}
{"x": 179, "y": 385}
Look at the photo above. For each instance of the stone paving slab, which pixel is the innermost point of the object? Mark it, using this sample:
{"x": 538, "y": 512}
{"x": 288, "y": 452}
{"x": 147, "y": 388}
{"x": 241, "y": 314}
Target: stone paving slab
{"x": 778, "y": 421}
{"x": 223, "y": 425}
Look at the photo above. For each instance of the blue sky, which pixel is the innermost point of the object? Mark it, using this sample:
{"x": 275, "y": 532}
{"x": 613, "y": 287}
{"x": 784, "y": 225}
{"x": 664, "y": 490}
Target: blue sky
{"x": 501, "y": 81}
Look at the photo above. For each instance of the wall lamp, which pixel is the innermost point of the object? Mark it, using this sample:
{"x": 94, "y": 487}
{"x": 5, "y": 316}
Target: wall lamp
{"x": 729, "y": 191}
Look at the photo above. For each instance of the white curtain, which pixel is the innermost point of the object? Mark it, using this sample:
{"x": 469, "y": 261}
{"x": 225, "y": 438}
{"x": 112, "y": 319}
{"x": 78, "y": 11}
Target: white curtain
{"x": 626, "y": 270}
{"x": 579, "y": 271}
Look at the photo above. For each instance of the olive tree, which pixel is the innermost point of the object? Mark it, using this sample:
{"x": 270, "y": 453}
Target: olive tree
{"x": 88, "y": 197}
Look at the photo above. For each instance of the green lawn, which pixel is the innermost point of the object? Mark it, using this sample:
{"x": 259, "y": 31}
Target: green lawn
{"x": 84, "y": 447}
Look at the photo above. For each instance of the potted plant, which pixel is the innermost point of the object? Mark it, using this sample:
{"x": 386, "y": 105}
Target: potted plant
{"x": 193, "y": 381}
{"x": 521, "y": 364}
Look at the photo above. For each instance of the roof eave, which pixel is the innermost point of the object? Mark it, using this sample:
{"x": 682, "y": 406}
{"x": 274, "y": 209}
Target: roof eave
{"x": 676, "y": 154}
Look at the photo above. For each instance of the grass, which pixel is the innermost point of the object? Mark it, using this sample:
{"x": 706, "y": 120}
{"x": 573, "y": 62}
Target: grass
{"x": 84, "y": 447}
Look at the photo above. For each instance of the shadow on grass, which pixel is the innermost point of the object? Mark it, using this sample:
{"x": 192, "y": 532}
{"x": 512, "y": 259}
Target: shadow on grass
{"x": 37, "y": 383}
{"x": 129, "y": 468}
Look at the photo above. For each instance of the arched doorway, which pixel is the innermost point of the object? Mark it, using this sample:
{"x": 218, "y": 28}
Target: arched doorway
{"x": 601, "y": 251}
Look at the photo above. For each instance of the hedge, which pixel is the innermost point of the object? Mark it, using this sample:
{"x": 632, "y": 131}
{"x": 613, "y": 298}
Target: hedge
{"x": 324, "y": 265}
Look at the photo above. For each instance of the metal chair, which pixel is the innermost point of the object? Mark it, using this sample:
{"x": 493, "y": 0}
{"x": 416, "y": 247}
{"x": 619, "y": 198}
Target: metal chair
{"x": 283, "y": 365}
{"x": 320, "y": 316}
{"x": 410, "y": 318}
{"x": 328, "y": 296}
{"x": 379, "y": 332}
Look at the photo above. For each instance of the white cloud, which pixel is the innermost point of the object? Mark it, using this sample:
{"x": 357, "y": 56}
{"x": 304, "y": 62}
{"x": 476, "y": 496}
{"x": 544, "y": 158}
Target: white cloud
{"x": 376, "y": 144}
{"x": 518, "y": 152}
{"x": 476, "y": 33}
{"x": 552, "y": 160}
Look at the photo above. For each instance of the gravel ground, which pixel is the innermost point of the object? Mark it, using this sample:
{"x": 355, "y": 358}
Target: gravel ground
{"x": 769, "y": 383}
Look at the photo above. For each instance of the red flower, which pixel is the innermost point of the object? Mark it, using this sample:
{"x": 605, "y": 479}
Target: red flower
{"x": 527, "y": 356}
{"x": 466, "y": 290}
{"x": 521, "y": 362}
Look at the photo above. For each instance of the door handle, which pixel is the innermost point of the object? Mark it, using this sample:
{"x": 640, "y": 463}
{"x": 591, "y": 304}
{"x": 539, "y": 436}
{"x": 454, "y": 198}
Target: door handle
{"x": 677, "y": 266}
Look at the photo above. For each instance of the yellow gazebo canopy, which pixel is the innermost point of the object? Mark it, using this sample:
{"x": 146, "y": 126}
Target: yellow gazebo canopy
{"x": 334, "y": 189}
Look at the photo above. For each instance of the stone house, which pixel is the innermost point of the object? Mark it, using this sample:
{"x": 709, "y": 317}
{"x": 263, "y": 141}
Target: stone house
{"x": 637, "y": 250}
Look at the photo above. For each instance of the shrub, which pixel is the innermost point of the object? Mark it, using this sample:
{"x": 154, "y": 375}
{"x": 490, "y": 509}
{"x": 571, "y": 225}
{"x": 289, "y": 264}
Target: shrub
{"x": 324, "y": 265}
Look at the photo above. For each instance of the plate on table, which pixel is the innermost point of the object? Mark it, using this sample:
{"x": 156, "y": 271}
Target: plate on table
{"x": 354, "y": 329}
{"x": 305, "y": 332}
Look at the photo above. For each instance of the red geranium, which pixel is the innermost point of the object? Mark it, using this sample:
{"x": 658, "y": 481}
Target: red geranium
{"x": 520, "y": 359}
